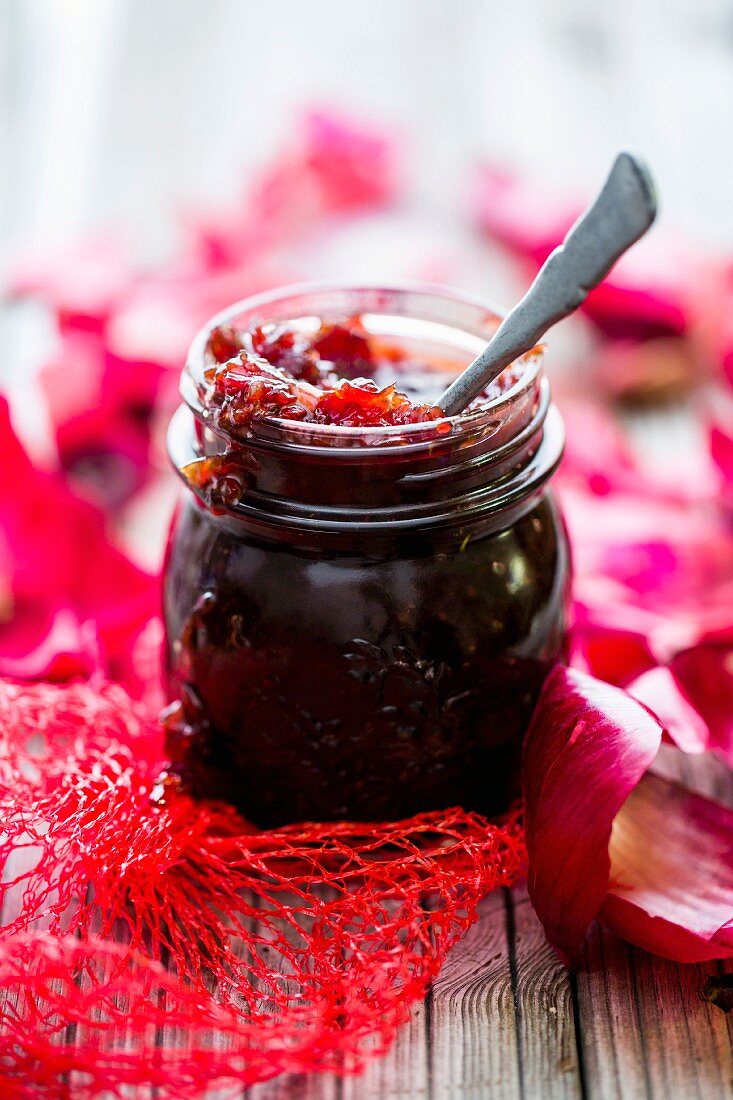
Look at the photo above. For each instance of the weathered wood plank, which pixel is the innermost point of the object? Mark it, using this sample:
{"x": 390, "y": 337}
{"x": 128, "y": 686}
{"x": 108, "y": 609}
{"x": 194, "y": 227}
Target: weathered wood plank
{"x": 404, "y": 1072}
{"x": 400, "y": 1074}
{"x": 473, "y": 1034}
{"x": 502, "y": 1015}
{"x": 288, "y": 1086}
{"x": 545, "y": 1015}
{"x": 295, "y": 1086}
{"x": 645, "y": 1030}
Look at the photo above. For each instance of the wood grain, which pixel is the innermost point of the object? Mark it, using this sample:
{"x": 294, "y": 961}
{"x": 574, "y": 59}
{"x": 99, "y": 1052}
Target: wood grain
{"x": 545, "y": 1011}
{"x": 645, "y": 1029}
{"x": 473, "y": 1015}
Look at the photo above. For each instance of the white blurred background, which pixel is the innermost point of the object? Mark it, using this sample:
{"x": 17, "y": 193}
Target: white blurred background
{"x": 119, "y": 111}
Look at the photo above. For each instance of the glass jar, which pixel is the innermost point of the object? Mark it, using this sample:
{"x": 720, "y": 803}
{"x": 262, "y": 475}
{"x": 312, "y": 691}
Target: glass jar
{"x": 359, "y": 620}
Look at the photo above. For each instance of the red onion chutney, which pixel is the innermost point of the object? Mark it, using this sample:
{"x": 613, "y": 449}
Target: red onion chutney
{"x": 362, "y": 597}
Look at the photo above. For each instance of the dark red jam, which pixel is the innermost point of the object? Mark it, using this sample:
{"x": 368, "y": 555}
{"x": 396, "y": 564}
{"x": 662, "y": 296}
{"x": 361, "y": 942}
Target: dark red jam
{"x": 358, "y": 629}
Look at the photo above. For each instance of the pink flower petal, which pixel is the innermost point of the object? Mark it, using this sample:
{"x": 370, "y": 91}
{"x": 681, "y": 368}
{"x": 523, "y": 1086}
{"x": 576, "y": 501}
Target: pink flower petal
{"x": 671, "y": 886}
{"x": 659, "y": 690}
{"x": 529, "y": 220}
{"x": 721, "y": 451}
{"x": 717, "y": 331}
{"x": 354, "y": 163}
{"x": 657, "y": 569}
{"x": 587, "y": 748}
{"x": 82, "y": 284}
{"x": 335, "y": 166}
{"x": 647, "y": 372}
{"x": 596, "y": 453}
{"x": 705, "y": 675}
{"x": 652, "y": 291}
{"x": 66, "y": 651}
{"x": 60, "y": 571}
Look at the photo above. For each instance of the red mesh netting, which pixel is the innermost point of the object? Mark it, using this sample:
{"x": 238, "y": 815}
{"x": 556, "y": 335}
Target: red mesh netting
{"x": 148, "y": 939}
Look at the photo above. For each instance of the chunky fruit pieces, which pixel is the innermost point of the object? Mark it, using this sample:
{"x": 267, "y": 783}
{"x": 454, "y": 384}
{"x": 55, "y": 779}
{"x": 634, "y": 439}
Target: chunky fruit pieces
{"x": 276, "y": 372}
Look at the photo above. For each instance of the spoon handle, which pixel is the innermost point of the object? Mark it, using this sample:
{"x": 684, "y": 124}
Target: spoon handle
{"x": 623, "y": 211}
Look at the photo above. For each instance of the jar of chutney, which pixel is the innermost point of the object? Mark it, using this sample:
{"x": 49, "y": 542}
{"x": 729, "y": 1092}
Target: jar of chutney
{"x": 362, "y": 596}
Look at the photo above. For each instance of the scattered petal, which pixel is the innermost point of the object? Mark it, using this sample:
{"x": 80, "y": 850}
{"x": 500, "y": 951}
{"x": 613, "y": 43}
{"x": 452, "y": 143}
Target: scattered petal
{"x": 721, "y": 451}
{"x": 66, "y": 581}
{"x": 82, "y": 284}
{"x": 647, "y": 372}
{"x": 651, "y": 291}
{"x": 67, "y": 650}
{"x": 336, "y": 166}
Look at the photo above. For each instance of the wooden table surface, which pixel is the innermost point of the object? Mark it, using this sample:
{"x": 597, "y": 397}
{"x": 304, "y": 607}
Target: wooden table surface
{"x": 506, "y": 1021}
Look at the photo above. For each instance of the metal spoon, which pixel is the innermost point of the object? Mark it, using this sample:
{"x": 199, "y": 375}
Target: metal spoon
{"x": 623, "y": 211}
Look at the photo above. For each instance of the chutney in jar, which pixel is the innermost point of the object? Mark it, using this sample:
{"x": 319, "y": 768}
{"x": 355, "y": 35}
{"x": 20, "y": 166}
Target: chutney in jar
{"x": 362, "y": 596}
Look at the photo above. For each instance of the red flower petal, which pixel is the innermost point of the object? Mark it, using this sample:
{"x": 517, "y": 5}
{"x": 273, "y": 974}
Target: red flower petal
{"x": 672, "y": 873}
{"x": 587, "y": 748}
{"x": 721, "y": 452}
{"x": 705, "y": 674}
{"x": 607, "y": 642}
{"x": 59, "y": 566}
{"x": 660, "y": 691}
{"x": 101, "y": 412}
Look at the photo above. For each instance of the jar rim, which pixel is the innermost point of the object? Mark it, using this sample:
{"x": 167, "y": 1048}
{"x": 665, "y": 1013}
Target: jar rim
{"x": 486, "y": 320}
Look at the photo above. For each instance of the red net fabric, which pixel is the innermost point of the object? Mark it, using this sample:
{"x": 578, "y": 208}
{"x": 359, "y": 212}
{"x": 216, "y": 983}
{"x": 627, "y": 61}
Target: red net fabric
{"x": 148, "y": 939}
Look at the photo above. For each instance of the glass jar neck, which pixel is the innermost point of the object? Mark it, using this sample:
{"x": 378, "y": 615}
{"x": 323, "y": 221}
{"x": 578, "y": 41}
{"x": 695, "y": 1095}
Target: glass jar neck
{"x": 300, "y": 480}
